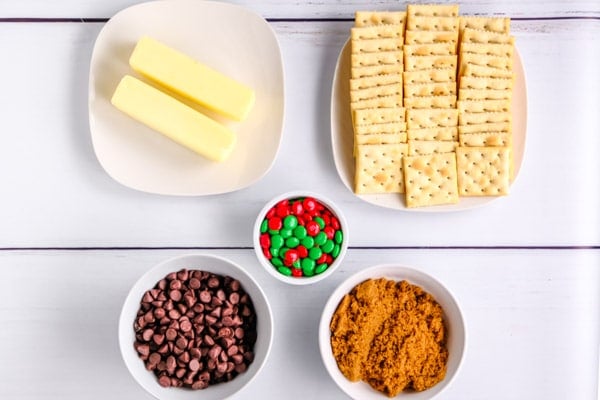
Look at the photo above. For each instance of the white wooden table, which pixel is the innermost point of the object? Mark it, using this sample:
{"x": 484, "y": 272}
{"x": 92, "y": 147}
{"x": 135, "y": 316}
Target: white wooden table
{"x": 525, "y": 268}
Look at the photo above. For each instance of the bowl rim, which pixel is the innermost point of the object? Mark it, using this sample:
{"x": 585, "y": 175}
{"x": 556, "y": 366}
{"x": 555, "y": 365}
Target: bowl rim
{"x": 373, "y": 272}
{"x": 125, "y": 322}
{"x": 290, "y": 195}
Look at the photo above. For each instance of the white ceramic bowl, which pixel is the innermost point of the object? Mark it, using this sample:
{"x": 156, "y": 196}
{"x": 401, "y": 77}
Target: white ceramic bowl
{"x": 212, "y": 264}
{"x": 267, "y": 264}
{"x": 457, "y": 337}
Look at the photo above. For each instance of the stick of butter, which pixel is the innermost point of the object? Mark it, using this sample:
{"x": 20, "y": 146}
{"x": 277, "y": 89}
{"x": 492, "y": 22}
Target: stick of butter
{"x": 191, "y": 79}
{"x": 174, "y": 119}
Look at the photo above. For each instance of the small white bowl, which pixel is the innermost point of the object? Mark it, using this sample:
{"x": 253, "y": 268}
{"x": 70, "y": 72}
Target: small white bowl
{"x": 304, "y": 280}
{"x": 457, "y": 336}
{"x": 215, "y": 265}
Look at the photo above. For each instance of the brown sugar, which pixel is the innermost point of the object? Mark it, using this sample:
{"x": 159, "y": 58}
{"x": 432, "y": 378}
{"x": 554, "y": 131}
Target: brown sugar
{"x": 391, "y": 335}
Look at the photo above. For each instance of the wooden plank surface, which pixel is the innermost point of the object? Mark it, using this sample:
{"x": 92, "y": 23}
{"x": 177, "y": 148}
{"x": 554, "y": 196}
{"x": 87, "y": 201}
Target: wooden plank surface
{"x": 303, "y": 10}
{"x": 531, "y": 320}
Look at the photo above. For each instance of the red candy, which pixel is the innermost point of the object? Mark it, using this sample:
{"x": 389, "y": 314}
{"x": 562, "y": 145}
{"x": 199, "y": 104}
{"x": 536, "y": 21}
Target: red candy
{"x": 290, "y": 257}
{"x": 297, "y": 272}
{"x": 329, "y": 231}
{"x": 309, "y": 204}
{"x": 297, "y": 209}
{"x": 275, "y": 223}
{"x": 265, "y": 241}
{"x": 302, "y": 251}
{"x": 335, "y": 224}
{"x": 267, "y": 253}
{"x": 312, "y": 228}
{"x": 282, "y": 211}
{"x": 322, "y": 259}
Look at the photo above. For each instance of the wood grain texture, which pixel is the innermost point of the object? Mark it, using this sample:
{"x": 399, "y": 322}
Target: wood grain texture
{"x": 305, "y": 10}
{"x": 531, "y": 320}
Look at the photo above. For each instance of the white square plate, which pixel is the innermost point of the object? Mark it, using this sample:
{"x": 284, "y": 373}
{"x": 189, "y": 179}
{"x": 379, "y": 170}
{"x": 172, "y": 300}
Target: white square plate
{"x": 228, "y": 38}
{"x": 342, "y": 137}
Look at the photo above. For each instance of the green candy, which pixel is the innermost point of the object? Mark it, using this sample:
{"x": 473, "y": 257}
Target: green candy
{"x": 336, "y": 251}
{"x": 273, "y": 232}
{"x": 328, "y": 246}
{"x": 320, "y": 268}
{"x": 315, "y": 253}
{"x": 282, "y": 251}
{"x": 296, "y": 264}
{"x": 276, "y": 241}
{"x": 300, "y": 232}
{"x": 320, "y": 239}
{"x": 292, "y": 242}
{"x": 285, "y": 233}
{"x": 274, "y": 252}
{"x": 338, "y": 237}
{"x": 320, "y": 222}
{"x": 290, "y": 222}
{"x": 308, "y": 266}
{"x": 284, "y": 271}
{"x": 307, "y": 242}
{"x": 276, "y": 262}
{"x": 264, "y": 226}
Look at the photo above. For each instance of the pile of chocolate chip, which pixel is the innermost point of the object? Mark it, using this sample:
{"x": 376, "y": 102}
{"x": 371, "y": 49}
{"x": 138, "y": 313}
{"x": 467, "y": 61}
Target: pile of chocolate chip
{"x": 195, "y": 329}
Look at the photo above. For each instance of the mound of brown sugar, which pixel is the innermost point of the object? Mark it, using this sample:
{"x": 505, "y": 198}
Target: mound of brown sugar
{"x": 391, "y": 335}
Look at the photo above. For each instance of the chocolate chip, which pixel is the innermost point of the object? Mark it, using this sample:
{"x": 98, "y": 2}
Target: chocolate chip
{"x": 148, "y": 298}
{"x": 237, "y": 358}
{"x": 194, "y": 365}
{"x": 142, "y": 349}
{"x": 239, "y": 333}
{"x": 195, "y": 352}
{"x": 164, "y": 381}
{"x": 175, "y": 285}
{"x": 205, "y": 296}
{"x": 175, "y": 295}
{"x": 159, "y": 313}
{"x": 232, "y": 350}
{"x": 222, "y": 367}
{"x": 194, "y": 283}
{"x": 185, "y": 326}
{"x": 200, "y": 385}
{"x": 147, "y": 335}
{"x": 158, "y": 339}
{"x": 214, "y": 351}
{"x": 183, "y": 274}
{"x": 154, "y": 359}
{"x": 181, "y": 343}
{"x": 171, "y": 334}
{"x": 234, "y": 298}
{"x": 213, "y": 282}
{"x": 210, "y": 320}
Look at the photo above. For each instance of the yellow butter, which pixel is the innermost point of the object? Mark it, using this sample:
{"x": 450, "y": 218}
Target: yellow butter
{"x": 174, "y": 119}
{"x": 191, "y": 79}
